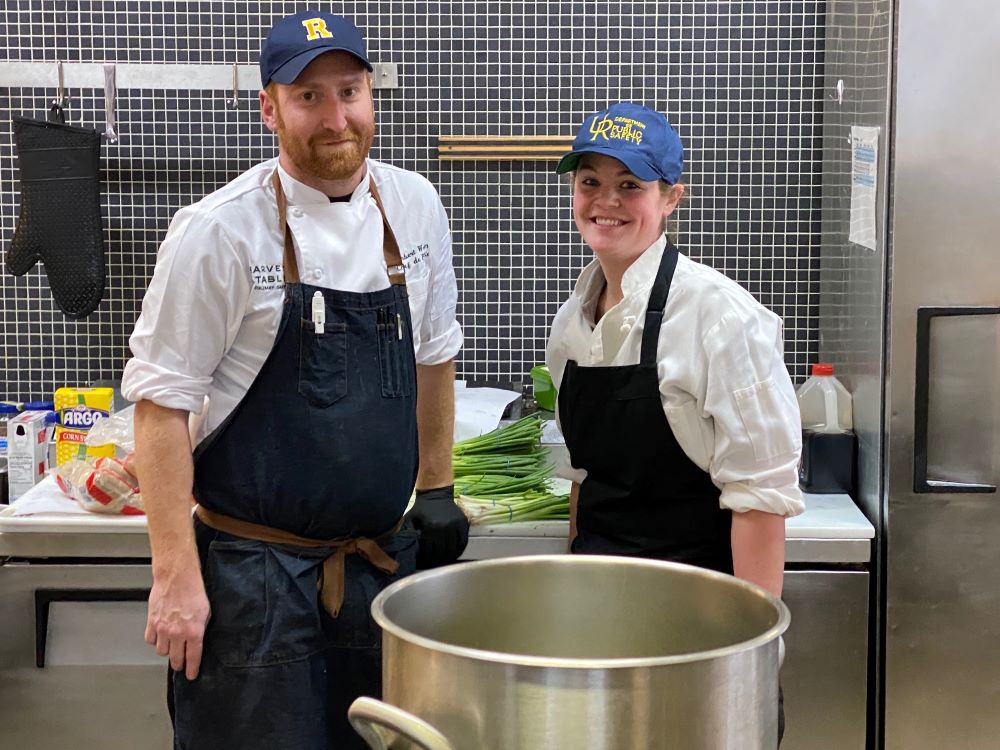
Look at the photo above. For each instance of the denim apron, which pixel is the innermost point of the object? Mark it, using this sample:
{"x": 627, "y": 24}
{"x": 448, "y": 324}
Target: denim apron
{"x": 323, "y": 445}
{"x": 642, "y": 495}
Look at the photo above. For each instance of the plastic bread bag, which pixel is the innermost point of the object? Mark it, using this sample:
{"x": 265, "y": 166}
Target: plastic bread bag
{"x": 115, "y": 430}
{"x": 105, "y": 485}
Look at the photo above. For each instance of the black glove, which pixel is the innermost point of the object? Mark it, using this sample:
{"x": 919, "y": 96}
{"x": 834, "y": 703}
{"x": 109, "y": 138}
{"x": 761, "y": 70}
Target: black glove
{"x": 60, "y": 221}
{"x": 443, "y": 527}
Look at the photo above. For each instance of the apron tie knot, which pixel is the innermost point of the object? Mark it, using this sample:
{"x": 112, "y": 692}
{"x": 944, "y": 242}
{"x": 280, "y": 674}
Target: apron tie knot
{"x": 331, "y": 577}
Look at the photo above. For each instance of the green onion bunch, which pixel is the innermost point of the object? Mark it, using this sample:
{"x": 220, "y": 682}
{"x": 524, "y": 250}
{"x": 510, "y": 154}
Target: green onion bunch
{"x": 518, "y": 438}
{"x": 531, "y": 506}
{"x": 501, "y": 477}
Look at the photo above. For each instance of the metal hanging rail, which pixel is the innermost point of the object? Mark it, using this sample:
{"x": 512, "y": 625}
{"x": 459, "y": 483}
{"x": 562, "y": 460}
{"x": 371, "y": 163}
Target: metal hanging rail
{"x": 191, "y": 77}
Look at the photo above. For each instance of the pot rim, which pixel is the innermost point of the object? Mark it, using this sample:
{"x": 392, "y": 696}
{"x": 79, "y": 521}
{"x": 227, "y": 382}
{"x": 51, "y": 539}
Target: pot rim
{"x": 525, "y": 660}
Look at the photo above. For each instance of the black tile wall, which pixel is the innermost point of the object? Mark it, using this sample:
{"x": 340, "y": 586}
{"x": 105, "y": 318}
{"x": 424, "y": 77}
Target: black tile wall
{"x": 741, "y": 81}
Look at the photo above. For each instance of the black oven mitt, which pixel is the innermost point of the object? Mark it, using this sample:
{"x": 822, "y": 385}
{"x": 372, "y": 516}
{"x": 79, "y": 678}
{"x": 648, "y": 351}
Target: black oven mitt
{"x": 60, "y": 221}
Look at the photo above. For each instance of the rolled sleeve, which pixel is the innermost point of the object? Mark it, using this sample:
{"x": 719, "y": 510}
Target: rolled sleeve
{"x": 147, "y": 381}
{"x": 750, "y": 398}
{"x": 190, "y": 315}
{"x": 441, "y": 335}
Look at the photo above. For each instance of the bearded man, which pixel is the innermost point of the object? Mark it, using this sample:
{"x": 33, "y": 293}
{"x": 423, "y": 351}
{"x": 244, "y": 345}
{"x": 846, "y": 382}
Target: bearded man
{"x": 296, "y": 338}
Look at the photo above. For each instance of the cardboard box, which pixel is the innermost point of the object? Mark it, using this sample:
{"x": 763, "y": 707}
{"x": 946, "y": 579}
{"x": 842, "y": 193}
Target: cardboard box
{"x": 27, "y": 451}
{"x": 77, "y": 409}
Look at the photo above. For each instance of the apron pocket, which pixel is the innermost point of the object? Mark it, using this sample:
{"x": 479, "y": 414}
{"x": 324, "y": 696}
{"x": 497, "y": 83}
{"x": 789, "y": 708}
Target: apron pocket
{"x": 355, "y": 627}
{"x": 265, "y": 604}
{"x": 394, "y": 346}
{"x": 323, "y": 363}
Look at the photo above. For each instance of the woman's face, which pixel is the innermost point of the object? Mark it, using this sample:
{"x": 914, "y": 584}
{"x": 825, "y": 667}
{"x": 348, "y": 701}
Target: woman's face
{"x": 618, "y": 214}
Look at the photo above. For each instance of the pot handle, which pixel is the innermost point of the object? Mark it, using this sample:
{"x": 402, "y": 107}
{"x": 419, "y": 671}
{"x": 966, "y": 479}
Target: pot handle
{"x": 369, "y": 716}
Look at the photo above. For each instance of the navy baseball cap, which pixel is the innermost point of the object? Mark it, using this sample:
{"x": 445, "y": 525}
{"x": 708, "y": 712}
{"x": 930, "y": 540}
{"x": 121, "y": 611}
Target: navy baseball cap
{"x": 639, "y": 137}
{"x": 295, "y": 41}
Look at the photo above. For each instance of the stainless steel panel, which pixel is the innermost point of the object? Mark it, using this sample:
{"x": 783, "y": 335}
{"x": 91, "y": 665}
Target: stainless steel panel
{"x": 963, "y": 400}
{"x": 84, "y": 707}
{"x": 168, "y": 76}
{"x": 852, "y": 278}
{"x": 825, "y": 675}
{"x": 943, "y": 609}
{"x": 833, "y": 551}
{"x": 99, "y": 634}
{"x": 69, "y": 544}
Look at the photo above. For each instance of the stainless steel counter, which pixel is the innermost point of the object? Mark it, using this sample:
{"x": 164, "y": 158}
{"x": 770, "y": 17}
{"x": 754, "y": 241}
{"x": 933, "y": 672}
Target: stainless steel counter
{"x": 831, "y": 531}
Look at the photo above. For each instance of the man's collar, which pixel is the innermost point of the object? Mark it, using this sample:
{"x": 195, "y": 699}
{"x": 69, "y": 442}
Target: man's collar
{"x": 299, "y": 194}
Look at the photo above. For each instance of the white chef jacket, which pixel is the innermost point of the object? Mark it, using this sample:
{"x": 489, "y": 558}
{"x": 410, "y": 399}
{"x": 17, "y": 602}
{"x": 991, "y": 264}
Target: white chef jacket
{"x": 212, "y": 309}
{"x": 724, "y": 386}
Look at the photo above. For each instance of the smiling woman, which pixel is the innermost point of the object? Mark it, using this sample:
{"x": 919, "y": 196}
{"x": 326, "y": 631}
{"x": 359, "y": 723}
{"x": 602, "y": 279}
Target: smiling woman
{"x": 618, "y": 214}
{"x": 669, "y": 373}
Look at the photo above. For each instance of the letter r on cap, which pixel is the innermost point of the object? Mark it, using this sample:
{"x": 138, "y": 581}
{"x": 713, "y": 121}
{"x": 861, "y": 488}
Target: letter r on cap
{"x": 316, "y": 28}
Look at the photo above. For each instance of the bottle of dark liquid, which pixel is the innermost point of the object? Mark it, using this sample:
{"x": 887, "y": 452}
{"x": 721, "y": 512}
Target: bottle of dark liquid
{"x": 828, "y": 440}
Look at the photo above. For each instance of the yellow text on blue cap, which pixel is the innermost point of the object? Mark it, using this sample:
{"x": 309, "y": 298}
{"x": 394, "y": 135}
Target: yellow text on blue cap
{"x": 316, "y": 28}
{"x": 619, "y": 129}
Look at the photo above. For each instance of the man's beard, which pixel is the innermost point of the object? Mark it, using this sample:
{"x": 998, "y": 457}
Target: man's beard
{"x": 322, "y": 162}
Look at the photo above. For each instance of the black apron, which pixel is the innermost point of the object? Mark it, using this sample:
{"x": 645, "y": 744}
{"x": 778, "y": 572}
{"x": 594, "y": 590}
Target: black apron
{"x": 323, "y": 445}
{"x": 642, "y": 496}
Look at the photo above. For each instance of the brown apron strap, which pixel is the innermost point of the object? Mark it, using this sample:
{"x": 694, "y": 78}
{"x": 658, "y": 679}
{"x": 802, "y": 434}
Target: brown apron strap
{"x": 290, "y": 263}
{"x": 390, "y": 247}
{"x": 331, "y": 580}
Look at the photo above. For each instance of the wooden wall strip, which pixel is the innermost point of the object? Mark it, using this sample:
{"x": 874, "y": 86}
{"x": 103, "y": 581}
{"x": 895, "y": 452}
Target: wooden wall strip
{"x": 500, "y": 148}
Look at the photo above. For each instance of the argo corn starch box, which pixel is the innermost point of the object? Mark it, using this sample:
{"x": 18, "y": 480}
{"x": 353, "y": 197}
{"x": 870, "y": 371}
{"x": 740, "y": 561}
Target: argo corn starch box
{"x": 77, "y": 409}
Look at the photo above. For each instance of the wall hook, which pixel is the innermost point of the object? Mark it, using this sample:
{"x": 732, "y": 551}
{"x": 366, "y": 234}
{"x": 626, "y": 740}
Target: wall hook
{"x": 56, "y": 113}
{"x": 110, "y": 134}
{"x": 60, "y": 100}
{"x": 234, "y": 103}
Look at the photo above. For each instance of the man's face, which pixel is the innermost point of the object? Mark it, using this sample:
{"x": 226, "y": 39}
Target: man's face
{"x": 325, "y": 119}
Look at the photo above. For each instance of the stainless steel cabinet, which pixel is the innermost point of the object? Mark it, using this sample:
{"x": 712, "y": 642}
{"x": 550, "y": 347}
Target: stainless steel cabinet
{"x": 100, "y": 687}
{"x": 825, "y": 675}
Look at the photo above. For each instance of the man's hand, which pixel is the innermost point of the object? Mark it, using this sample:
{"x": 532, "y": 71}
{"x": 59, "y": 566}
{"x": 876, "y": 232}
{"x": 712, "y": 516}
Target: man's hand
{"x": 443, "y": 527}
{"x": 175, "y": 625}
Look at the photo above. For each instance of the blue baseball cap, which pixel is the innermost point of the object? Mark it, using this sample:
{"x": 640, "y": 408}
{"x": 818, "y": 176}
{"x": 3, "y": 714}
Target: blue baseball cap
{"x": 639, "y": 137}
{"x": 295, "y": 41}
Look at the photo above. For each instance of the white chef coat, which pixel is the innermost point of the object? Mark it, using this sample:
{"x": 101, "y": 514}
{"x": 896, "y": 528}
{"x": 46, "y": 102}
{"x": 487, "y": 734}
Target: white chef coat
{"x": 212, "y": 309}
{"x": 723, "y": 382}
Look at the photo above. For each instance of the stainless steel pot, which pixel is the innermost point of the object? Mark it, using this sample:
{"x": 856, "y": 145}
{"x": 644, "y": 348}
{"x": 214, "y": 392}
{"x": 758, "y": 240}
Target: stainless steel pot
{"x": 575, "y": 651}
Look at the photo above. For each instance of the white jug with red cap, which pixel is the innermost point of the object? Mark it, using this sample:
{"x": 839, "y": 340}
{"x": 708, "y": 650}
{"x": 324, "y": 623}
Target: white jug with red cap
{"x": 824, "y": 402}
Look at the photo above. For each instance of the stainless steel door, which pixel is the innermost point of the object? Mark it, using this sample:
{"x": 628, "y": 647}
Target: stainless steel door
{"x": 81, "y": 676}
{"x": 943, "y": 515}
{"x": 825, "y": 674}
